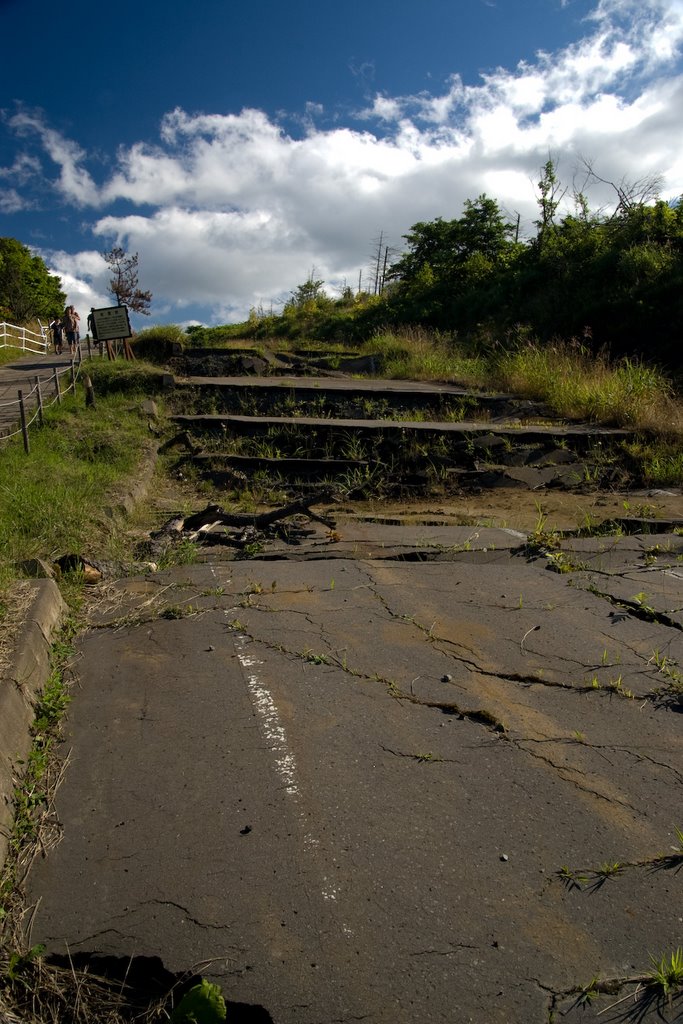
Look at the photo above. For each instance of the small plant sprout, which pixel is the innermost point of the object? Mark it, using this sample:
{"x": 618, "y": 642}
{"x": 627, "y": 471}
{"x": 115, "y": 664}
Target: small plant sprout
{"x": 570, "y": 878}
{"x": 313, "y": 658}
{"x": 667, "y": 974}
{"x": 541, "y": 519}
{"x": 588, "y": 993}
{"x": 616, "y": 686}
{"x": 610, "y": 869}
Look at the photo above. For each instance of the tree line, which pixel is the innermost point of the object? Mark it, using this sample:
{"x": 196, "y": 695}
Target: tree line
{"x": 613, "y": 279}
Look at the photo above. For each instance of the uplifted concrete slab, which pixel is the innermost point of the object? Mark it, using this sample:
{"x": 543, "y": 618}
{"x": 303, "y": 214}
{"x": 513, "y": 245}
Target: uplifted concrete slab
{"x": 374, "y": 789}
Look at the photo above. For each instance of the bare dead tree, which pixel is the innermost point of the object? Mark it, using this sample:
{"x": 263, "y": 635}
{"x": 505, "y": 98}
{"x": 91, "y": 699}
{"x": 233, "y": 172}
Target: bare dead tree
{"x": 124, "y": 280}
{"x": 382, "y": 254}
{"x": 630, "y": 193}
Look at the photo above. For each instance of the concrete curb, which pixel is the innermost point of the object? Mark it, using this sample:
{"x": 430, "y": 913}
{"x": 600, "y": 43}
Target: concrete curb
{"x": 20, "y": 687}
{"x": 29, "y": 660}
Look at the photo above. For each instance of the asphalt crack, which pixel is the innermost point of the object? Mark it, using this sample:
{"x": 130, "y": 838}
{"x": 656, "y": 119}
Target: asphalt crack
{"x": 565, "y": 773}
{"x": 637, "y": 609}
{"x": 209, "y": 926}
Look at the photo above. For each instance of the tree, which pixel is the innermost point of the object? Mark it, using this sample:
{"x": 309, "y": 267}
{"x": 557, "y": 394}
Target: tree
{"x": 124, "y": 281}
{"x": 551, "y": 194}
{"x": 27, "y": 288}
{"x": 309, "y": 295}
{"x": 450, "y": 277}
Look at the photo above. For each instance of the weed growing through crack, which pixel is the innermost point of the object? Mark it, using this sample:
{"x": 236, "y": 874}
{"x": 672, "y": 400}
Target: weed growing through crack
{"x": 592, "y": 878}
{"x": 314, "y": 658}
{"x": 178, "y": 611}
{"x": 667, "y": 973}
{"x": 668, "y": 668}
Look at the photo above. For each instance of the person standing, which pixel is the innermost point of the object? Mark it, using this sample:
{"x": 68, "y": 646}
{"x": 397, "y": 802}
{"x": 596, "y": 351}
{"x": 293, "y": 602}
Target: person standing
{"x": 70, "y": 322}
{"x": 57, "y": 335}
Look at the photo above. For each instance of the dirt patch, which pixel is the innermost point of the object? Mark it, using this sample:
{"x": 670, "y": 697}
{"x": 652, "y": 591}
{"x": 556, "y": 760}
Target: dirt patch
{"x": 521, "y": 509}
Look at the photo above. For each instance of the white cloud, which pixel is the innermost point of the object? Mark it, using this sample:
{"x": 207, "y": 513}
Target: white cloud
{"x": 227, "y": 210}
{"x": 74, "y": 182}
{"x": 83, "y": 275}
{"x": 12, "y": 202}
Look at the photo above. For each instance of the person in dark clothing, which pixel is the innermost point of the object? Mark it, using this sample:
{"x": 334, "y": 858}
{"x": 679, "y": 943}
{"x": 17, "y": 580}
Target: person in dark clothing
{"x": 57, "y": 335}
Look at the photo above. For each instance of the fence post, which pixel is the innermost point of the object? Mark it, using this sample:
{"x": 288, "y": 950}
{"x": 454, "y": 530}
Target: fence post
{"x": 24, "y": 428}
{"x": 89, "y": 391}
{"x": 73, "y": 376}
{"x": 58, "y": 393}
{"x": 40, "y": 400}
{"x": 87, "y": 338}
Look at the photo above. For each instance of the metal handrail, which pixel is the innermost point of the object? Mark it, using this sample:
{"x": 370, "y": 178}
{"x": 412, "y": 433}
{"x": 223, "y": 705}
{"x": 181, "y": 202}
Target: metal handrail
{"x": 24, "y": 338}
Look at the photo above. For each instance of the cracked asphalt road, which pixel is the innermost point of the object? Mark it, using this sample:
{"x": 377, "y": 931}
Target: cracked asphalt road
{"x": 355, "y": 780}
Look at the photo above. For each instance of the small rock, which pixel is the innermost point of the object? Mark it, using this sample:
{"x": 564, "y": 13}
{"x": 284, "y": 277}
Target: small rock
{"x": 245, "y": 831}
{"x": 504, "y": 856}
{"x": 149, "y": 408}
{"x": 446, "y": 678}
{"x": 211, "y": 648}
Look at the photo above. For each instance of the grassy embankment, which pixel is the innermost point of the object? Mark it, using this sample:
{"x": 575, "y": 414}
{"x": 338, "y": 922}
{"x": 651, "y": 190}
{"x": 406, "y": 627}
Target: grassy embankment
{"x": 52, "y": 500}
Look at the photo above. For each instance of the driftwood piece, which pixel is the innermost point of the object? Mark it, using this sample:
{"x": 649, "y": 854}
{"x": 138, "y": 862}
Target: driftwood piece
{"x": 197, "y": 525}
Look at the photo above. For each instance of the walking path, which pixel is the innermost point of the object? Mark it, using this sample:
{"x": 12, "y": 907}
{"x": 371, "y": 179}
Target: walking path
{"x": 349, "y": 784}
{"x": 22, "y": 375}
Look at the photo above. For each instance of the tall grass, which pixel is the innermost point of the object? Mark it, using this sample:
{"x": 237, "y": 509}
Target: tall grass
{"x": 417, "y": 354}
{"x": 574, "y": 382}
{"x": 582, "y": 385}
{"x": 51, "y": 501}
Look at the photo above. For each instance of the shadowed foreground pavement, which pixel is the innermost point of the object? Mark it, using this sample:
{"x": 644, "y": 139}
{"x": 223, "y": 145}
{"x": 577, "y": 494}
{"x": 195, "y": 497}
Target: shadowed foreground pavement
{"x": 353, "y": 780}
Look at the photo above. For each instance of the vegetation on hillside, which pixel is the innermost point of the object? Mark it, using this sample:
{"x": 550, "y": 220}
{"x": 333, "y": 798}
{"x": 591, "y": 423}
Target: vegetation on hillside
{"x": 612, "y": 280}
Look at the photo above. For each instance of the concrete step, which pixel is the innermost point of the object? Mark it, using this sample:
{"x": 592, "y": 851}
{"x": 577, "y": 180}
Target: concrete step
{"x": 358, "y": 399}
{"x": 480, "y": 435}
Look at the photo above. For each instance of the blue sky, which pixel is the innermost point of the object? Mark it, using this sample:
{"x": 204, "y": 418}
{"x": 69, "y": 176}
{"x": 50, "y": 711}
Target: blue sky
{"x": 239, "y": 147}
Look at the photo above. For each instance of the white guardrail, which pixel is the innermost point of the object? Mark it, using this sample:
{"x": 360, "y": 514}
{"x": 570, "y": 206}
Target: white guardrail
{"x": 23, "y": 338}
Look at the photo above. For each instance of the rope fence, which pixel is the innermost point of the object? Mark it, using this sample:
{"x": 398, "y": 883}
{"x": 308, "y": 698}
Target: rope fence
{"x": 29, "y": 407}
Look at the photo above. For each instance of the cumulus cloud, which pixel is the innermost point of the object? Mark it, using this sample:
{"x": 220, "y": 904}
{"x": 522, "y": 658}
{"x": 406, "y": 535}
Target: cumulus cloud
{"x": 228, "y": 210}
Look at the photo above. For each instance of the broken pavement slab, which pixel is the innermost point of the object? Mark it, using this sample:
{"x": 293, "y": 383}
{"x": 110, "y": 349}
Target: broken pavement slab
{"x": 356, "y": 782}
